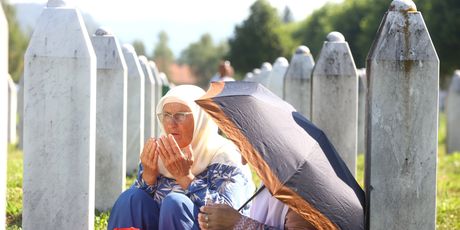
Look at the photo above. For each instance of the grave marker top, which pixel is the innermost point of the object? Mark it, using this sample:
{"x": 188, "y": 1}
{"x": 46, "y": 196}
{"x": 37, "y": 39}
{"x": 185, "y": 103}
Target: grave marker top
{"x": 403, "y": 6}
{"x": 302, "y": 50}
{"x": 335, "y": 37}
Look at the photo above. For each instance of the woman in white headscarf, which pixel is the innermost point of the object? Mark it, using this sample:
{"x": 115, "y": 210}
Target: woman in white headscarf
{"x": 190, "y": 164}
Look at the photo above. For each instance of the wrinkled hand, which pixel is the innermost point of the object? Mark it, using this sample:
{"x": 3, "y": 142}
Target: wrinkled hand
{"x": 149, "y": 160}
{"x": 178, "y": 163}
{"x": 218, "y": 216}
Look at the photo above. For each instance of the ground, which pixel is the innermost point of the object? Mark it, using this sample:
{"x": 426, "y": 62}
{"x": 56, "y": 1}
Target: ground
{"x": 448, "y": 187}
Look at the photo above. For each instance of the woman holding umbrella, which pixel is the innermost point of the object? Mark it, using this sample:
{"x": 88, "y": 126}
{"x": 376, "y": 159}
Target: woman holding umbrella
{"x": 189, "y": 164}
{"x": 266, "y": 213}
{"x": 294, "y": 159}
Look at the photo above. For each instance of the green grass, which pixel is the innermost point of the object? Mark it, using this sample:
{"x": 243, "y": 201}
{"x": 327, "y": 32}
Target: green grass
{"x": 448, "y": 187}
{"x": 14, "y": 188}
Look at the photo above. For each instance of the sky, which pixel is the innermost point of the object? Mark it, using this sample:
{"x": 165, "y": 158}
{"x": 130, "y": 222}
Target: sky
{"x": 184, "y": 21}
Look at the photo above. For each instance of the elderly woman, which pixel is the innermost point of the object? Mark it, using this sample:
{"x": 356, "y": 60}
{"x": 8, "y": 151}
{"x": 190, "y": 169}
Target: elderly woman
{"x": 190, "y": 164}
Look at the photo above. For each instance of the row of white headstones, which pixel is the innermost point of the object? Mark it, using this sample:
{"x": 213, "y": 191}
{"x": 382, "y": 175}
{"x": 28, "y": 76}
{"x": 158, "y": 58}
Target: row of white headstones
{"x": 336, "y": 100}
{"x": 76, "y": 154}
{"x": 66, "y": 75}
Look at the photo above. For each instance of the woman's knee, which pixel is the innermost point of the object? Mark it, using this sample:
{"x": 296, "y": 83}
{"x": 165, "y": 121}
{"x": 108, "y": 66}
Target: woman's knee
{"x": 133, "y": 196}
{"x": 175, "y": 201}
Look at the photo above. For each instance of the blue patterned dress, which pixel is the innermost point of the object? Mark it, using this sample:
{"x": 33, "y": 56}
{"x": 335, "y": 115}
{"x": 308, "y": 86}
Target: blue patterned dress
{"x": 165, "y": 205}
{"x": 219, "y": 182}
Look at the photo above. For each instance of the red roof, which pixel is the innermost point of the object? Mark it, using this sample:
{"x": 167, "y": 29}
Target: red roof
{"x": 181, "y": 74}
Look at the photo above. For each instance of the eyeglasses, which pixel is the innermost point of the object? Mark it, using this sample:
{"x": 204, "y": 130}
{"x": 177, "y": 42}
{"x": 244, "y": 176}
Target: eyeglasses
{"x": 178, "y": 117}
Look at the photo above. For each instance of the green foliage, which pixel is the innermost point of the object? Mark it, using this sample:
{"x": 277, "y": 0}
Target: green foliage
{"x": 448, "y": 192}
{"x": 17, "y": 42}
{"x": 258, "y": 39}
{"x": 14, "y": 188}
{"x": 358, "y": 21}
{"x": 204, "y": 57}
{"x": 162, "y": 54}
{"x": 360, "y": 170}
{"x": 287, "y": 15}
{"x": 442, "y": 21}
{"x": 448, "y": 187}
{"x": 139, "y": 47}
{"x": 101, "y": 220}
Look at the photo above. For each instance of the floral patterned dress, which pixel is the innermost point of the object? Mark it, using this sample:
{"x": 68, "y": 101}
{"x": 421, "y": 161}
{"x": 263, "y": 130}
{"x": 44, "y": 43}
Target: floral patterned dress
{"x": 219, "y": 183}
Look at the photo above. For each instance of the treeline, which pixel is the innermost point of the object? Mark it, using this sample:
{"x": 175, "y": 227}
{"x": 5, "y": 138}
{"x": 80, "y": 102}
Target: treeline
{"x": 265, "y": 35}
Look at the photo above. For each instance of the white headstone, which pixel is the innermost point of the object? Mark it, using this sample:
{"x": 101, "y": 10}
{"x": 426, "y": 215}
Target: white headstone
{"x": 149, "y": 112}
{"x": 20, "y": 125}
{"x": 362, "y": 85}
{"x": 3, "y": 113}
{"x": 335, "y": 97}
{"x": 255, "y": 75}
{"x": 402, "y": 123}
{"x": 276, "y": 78}
{"x": 453, "y": 114}
{"x": 265, "y": 70}
{"x": 297, "y": 82}
{"x": 59, "y": 123}
{"x": 248, "y": 76}
{"x": 136, "y": 105}
{"x": 158, "y": 93}
{"x": 110, "y": 119}
{"x": 135, "y": 115}
{"x": 12, "y": 110}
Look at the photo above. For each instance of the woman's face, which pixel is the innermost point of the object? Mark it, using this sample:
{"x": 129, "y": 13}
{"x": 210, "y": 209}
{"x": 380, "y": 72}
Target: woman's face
{"x": 182, "y": 130}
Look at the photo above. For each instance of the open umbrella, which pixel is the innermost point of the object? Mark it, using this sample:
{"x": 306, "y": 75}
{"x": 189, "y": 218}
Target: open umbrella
{"x": 293, "y": 158}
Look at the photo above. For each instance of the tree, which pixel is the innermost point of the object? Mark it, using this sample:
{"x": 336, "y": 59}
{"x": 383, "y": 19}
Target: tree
{"x": 287, "y": 15}
{"x": 203, "y": 57}
{"x": 442, "y": 21}
{"x": 358, "y": 21}
{"x": 162, "y": 54}
{"x": 17, "y": 43}
{"x": 258, "y": 39}
{"x": 139, "y": 47}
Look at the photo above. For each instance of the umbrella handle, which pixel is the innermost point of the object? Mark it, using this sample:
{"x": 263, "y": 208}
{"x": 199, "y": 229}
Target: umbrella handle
{"x": 252, "y": 197}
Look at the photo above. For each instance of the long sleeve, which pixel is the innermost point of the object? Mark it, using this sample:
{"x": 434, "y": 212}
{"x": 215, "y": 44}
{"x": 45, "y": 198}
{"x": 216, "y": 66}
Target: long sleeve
{"x": 141, "y": 184}
{"x": 222, "y": 183}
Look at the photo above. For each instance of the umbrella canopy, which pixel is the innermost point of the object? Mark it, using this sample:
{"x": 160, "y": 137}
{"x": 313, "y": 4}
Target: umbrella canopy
{"x": 293, "y": 158}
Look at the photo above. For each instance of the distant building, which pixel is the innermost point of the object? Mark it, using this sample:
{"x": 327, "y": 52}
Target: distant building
{"x": 181, "y": 74}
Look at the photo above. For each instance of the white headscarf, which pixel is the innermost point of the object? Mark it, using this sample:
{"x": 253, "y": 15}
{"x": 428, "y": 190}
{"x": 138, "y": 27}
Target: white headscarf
{"x": 207, "y": 145}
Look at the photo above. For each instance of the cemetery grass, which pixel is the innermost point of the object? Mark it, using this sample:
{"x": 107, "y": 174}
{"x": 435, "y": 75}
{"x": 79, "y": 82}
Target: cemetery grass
{"x": 448, "y": 187}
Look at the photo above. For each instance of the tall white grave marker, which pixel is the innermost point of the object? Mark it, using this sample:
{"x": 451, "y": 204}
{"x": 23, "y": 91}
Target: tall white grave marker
{"x": 59, "y": 122}
{"x": 335, "y": 97}
{"x": 402, "y": 123}
{"x": 110, "y": 119}
{"x": 135, "y": 115}
{"x": 297, "y": 82}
